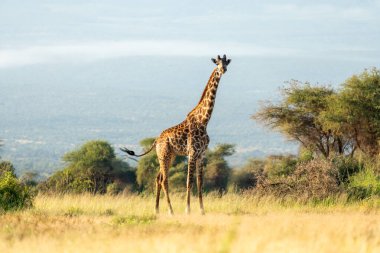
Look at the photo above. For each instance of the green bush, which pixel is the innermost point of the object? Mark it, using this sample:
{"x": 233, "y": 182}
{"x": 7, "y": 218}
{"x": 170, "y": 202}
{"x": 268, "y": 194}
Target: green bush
{"x": 90, "y": 168}
{"x": 13, "y": 194}
{"x": 364, "y": 184}
{"x": 280, "y": 165}
{"x": 246, "y": 177}
{"x": 7, "y": 166}
{"x": 114, "y": 188}
{"x": 346, "y": 167}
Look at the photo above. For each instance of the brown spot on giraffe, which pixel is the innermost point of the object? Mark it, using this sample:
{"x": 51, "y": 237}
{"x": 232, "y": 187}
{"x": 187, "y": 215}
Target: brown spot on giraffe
{"x": 188, "y": 138}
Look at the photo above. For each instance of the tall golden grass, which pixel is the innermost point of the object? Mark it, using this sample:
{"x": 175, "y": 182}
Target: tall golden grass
{"x": 233, "y": 223}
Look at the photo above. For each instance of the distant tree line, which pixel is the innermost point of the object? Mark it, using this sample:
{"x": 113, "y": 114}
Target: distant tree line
{"x": 94, "y": 168}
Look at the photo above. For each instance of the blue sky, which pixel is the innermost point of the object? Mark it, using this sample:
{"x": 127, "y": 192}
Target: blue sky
{"x": 40, "y": 32}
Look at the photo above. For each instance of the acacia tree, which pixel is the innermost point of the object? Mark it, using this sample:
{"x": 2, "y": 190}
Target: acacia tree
{"x": 354, "y": 112}
{"x": 297, "y": 116}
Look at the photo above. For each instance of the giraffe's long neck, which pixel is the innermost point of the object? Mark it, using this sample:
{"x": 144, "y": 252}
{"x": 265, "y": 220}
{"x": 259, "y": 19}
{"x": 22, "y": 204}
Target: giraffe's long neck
{"x": 202, "y": 112}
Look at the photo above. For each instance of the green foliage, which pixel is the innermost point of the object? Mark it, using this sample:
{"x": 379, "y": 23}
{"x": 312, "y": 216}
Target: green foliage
{"x": 280, "y": 165}
{"x": 147, "y": 167}
{"x": 123, "y": 173}
{"x": 217, "y": 171}
{"x": 13, "y": 194}
{"x": 354, "y": 112}
{"x": 346, "y": 167}
{"x": 92, "y": 153}
{"x": 91, "y": 168}
{"x": 114, "y": 188}
{"x": 305, "y": 155}
{"x": 216, "y": 175}
{"x": 297, "y": 116}
{"x": 364, "y": 184}
{"x": 246, "y": 177}
{"x": 6, "y": 166}
{"x": 178, "y": 175}
{"x": 147, "y": 143}
{"x": 29, "y": 178}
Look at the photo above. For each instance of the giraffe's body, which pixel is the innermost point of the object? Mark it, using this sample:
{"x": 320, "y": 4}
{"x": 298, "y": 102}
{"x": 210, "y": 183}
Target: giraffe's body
{"x": 188, "y": 138}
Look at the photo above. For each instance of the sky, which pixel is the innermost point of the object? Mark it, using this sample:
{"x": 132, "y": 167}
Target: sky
{"x": 41, "y": 32}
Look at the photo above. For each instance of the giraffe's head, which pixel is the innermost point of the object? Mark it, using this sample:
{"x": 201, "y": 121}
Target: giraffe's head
{"x": 221, "y": 63}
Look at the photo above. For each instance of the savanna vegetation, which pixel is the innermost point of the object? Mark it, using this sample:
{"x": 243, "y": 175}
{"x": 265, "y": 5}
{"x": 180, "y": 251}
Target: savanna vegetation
{"x": 100, "y": 202}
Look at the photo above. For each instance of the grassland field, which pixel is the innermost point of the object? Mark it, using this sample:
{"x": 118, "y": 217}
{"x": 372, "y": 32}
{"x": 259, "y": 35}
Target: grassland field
{"x": 233, "y": 223}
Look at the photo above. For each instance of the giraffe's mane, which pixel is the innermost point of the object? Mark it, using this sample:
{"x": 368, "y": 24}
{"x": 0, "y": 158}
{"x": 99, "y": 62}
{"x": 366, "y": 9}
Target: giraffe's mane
{"x": 204, "y": 91}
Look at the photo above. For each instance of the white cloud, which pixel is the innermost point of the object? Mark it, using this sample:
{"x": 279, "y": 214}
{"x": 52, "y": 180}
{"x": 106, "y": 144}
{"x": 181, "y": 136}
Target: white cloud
{"x": 320, "y": 12}
{"x": 97, "y": 50}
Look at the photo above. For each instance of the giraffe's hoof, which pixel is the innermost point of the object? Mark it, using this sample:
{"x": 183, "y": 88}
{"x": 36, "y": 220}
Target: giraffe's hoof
{"x": 203, "y": 212}
{"x": 157, "y": 211}
{"x": 171, "y": 213}
{"x": 187, "y": 210}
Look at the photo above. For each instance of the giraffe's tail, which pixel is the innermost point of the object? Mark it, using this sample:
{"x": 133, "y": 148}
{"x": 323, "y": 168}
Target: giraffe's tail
{"x": 132, "y": 153}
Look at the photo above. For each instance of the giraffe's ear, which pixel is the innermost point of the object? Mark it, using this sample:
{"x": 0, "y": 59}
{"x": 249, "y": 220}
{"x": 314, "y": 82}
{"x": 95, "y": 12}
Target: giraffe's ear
{"x": 228, "y": 61}
{"x": 213, "y": 60}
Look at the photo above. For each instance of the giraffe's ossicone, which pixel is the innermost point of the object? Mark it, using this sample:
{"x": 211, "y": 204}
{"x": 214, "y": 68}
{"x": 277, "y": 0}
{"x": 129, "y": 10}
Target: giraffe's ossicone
{"x": 189, "y": 138}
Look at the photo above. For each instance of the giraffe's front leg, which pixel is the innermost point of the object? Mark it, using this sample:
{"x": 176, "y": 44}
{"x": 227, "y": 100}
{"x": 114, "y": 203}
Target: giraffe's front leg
{"x": 200, "y": 182}
{"x": 190, "y": 179}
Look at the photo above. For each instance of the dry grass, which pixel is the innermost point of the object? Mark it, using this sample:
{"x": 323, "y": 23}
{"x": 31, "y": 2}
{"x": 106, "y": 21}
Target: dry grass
{"x": 233, "y": 223}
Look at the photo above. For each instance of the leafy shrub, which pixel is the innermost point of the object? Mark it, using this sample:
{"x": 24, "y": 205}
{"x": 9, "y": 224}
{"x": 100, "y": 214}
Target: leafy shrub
{"x": 216, "y": 176}
{"x": 364, "y": 184}
{"x": 346, "y": 167}
{"x": 217, "y": 171}
{"x": 305, "y": 155}
{"x": 279, "y": 165}
{"x": 7, "y": 166}
{"x": 246, "y": 177}
{"x": 243, "y": 179}
{"x": 13, "y": 194}
{"x": 91, "y": 168}
{"x": 114, "y": 188}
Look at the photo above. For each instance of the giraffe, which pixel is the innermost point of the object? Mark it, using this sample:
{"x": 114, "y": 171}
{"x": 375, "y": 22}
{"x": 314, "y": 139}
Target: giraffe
{"x": 189, "y": 138}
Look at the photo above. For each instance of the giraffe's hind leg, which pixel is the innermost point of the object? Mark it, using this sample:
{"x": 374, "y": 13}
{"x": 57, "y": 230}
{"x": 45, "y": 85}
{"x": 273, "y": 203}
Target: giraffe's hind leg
{"x": 165, "y": 158}
{"x": 158, "y": 190}
{"x": 190, "y": 179}
{"x": 165, "y": 185}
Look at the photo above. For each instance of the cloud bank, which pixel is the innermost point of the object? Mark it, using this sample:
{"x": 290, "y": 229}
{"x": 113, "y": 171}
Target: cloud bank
{"x": 98, "y": 50}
